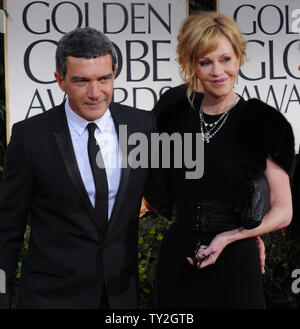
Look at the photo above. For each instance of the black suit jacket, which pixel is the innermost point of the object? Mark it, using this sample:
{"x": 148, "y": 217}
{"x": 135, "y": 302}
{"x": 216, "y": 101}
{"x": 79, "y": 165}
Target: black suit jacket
{"x": 70, "y": 256}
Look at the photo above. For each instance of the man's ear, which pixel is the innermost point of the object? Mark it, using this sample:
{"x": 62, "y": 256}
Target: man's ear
{"x": 60, "y": 80}
{"x": 115, "y": 70}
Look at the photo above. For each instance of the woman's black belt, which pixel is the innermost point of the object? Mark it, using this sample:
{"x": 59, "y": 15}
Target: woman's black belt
{"x": 205, "y": 215}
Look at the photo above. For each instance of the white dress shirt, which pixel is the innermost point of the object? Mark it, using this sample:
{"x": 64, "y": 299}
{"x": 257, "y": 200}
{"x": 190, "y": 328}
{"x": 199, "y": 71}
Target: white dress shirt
{"x": 107, "y": 139}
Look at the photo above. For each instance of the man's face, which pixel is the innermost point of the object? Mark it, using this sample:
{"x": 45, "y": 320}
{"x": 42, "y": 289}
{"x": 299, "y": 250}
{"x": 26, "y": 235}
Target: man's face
{"x": 89, "y": 85}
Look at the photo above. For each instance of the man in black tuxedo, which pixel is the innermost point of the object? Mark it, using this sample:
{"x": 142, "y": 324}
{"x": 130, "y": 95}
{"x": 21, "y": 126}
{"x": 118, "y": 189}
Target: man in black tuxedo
{"x": 83, "y": 218}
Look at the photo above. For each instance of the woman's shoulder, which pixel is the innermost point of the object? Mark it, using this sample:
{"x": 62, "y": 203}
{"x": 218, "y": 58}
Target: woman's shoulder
{"x": 267, "y": 131}
{"x": 168, "y": 99}
{"x": 172, "y": 110}
{"x": 262, "y": 111}
{"x": 265, "y": 118}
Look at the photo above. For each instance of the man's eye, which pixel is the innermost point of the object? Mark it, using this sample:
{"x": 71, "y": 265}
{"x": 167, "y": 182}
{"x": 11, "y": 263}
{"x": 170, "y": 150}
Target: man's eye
{"x": 80, "y": 82}
{"x": 107, "y": 77}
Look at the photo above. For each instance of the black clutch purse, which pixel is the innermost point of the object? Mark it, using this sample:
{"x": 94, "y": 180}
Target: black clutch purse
{"x": 253, "y": 202}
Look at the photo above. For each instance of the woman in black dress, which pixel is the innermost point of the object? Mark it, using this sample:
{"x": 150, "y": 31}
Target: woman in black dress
{"x": 241, "y": 140}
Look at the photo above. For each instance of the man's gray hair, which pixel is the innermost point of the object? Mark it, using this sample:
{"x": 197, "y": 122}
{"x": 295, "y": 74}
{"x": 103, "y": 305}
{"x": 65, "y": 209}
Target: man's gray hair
{"x": 83, "y": 42}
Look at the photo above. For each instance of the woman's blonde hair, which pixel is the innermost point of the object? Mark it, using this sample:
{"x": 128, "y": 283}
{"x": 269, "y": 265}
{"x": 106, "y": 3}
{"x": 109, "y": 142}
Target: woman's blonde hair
{"x": 198, "y": 36}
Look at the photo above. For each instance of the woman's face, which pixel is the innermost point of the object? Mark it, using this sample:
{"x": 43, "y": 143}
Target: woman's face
{"x": 217, "y": 70}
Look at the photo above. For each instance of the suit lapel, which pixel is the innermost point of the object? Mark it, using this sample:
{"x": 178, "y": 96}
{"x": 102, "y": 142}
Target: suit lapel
{"x": 125, "y": 149}
{"x": 64, "y": 142}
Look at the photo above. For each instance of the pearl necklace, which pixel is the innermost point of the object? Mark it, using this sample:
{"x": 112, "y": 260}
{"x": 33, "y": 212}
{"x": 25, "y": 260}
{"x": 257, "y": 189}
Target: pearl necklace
{"x": 209, "y": 130}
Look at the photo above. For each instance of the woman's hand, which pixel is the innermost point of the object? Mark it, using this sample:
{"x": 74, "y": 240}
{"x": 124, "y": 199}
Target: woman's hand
{"x": 207, "y": 255}
{"x": 262, "y": 253}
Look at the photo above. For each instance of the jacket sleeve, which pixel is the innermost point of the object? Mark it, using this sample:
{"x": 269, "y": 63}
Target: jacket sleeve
{"x": 156, "y": 193}
{"x": 15, "y": 195}
{"x": 269, "y": 134}
{"x": 280, "y": 143}
{"x": 156, "y": 188}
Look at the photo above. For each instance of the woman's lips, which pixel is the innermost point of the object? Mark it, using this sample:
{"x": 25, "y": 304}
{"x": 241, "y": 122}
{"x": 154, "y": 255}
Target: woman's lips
{"x": 219, "y": 82}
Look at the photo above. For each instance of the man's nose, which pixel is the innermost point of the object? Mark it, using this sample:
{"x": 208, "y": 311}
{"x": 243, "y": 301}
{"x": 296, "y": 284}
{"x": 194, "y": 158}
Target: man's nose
{"x": 94, "y": 90}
